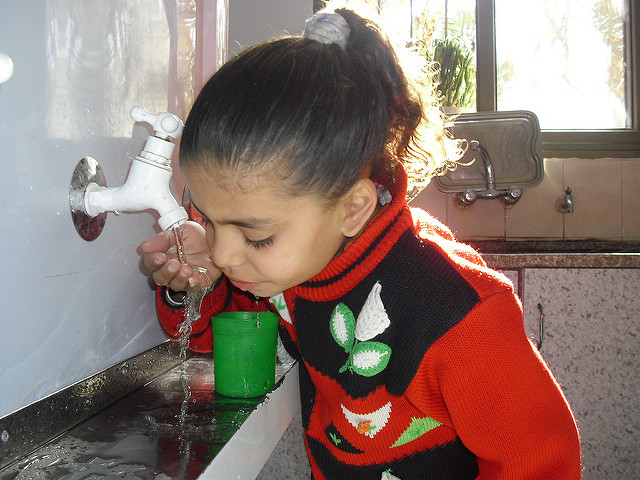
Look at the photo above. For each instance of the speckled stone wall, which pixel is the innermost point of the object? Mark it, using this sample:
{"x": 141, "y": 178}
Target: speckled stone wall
{"x": 591, "y": 343}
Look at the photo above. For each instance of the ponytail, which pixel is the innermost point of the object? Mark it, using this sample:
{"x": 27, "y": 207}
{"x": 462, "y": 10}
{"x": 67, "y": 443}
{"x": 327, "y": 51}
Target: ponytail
{"x": 417, "y": 135}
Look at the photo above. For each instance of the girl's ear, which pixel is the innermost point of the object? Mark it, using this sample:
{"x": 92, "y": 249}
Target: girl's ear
{"x": 359, "y": 204}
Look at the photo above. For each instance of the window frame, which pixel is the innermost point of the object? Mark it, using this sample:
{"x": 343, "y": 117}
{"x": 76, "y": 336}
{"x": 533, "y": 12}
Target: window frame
{"x": 610, "y": 143}
{"x": 614, "y": 143}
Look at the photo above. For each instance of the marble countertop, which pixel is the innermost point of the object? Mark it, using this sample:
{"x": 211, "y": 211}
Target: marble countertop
{"x": 157, "y": 432}
{"x": 515, "y": 254}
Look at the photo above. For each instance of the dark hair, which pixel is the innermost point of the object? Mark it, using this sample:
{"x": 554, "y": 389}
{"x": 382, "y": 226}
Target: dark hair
{"x": 319, "y": 114}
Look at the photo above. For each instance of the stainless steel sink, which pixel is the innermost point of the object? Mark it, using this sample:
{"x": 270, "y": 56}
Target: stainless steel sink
{"x": 174, "y": 426}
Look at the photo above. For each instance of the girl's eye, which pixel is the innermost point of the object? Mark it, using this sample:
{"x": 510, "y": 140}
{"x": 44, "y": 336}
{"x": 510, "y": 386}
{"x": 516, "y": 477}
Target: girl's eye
{"x": 259, "y": 243}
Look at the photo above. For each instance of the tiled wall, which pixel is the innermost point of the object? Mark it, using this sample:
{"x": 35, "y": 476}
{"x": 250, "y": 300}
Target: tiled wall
{"x": 606, "y": 205}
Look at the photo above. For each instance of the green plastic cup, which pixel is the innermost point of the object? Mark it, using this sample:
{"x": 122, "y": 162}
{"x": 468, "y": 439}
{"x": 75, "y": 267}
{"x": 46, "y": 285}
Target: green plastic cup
{"x": 244, "y": 353}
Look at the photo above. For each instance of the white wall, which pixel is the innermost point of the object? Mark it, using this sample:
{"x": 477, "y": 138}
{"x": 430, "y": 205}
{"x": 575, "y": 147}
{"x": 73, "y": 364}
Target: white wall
{"x": 252, "y": 21}
{"x": 71, "y": 308}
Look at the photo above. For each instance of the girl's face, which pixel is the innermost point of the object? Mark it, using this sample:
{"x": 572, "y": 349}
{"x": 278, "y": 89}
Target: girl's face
{"x": 264, "y": 240}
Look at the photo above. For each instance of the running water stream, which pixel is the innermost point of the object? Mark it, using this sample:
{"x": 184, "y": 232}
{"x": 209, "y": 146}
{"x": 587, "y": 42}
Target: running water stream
{"x": 192, "y": 305}
{"x": 193, "y": 298}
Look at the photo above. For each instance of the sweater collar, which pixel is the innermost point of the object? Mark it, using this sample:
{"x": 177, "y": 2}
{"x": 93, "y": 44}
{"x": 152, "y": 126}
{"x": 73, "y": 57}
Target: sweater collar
{"x": 365, "y": 252}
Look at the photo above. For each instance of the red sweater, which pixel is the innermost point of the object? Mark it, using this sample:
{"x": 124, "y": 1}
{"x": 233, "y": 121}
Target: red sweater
{"x": 414, "y": 362}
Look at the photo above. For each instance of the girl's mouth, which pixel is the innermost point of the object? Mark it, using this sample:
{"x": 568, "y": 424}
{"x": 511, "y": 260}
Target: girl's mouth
{"x": 243, "y": 285}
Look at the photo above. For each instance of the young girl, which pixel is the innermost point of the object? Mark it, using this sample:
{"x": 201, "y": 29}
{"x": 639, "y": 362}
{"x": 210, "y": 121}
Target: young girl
{"x": 414, "y": 362}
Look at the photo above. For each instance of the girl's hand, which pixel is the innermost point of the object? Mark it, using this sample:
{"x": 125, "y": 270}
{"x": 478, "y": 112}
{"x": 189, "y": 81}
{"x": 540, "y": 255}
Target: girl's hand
{"x": 160, "y": 257}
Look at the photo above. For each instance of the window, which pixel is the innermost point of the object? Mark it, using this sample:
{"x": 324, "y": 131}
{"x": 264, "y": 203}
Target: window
{"x": 574, "y": 63}
{"x": 582, "y": 68}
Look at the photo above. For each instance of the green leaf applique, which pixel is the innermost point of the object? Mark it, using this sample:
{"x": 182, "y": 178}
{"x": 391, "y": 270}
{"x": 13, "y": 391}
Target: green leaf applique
{"x": 343, "y": 326}
{"x": 369, "y": 358}
{"x": 417, "y": 428}
{"x": 278, "y": 302}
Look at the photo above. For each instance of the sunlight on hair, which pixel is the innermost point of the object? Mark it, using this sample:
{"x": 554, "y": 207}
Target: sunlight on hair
{"x": 434, "y": 151}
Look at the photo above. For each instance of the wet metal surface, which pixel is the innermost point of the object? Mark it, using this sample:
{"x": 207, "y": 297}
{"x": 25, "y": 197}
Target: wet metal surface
{"x": 144, "y": 436}
{"x": 28, "y": 428}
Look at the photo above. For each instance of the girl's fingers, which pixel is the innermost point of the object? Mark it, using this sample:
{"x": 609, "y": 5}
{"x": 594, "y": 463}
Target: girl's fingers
{"x": 173, "y": 275}
{"x": 154, "y": 261}
{"x": 160, "y": 243}
{"x": 159, "y": 257}
{"x": 200, "y": 279}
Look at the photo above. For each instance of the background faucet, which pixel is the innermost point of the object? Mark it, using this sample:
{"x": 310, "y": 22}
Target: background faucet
{"x": 565, "y": 203}
{"x": 488, "y": 166}
{"x": 147, "y": 185}
{"x": 508, "y": 195}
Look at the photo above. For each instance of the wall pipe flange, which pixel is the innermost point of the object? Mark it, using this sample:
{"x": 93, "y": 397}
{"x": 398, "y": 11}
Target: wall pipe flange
{"x": 87, "y": 172}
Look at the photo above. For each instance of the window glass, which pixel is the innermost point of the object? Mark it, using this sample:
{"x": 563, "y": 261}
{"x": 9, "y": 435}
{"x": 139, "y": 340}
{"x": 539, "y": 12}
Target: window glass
{"x": 565, "y": 61}
{"x": 443, "y": 31}
{"x": 571, "y": 62}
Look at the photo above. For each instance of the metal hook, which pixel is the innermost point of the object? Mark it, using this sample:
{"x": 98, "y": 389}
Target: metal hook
{"x": 541, "y": 327}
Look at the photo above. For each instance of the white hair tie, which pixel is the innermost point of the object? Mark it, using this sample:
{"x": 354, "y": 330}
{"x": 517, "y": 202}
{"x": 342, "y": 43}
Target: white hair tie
{"x": 328, "y": 28}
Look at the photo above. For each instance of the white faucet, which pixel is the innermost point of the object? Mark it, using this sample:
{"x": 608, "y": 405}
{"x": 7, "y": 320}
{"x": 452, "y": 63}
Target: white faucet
{"x": 147, "y": 185}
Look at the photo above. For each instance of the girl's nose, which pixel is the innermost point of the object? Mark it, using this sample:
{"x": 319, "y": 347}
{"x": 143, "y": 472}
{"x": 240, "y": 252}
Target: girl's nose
{"x": 226, "y": 251}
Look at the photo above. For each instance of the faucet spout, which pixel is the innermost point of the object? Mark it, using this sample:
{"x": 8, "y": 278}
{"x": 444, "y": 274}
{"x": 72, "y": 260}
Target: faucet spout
{"x": 565, "y": 203}
{"x": 147, "y": 185}
{"x": 488, "y": 166}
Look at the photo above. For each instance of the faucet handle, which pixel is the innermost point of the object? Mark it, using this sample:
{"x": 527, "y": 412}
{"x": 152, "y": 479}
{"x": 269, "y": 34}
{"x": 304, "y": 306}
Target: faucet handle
{"x": 166, "y": 125}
